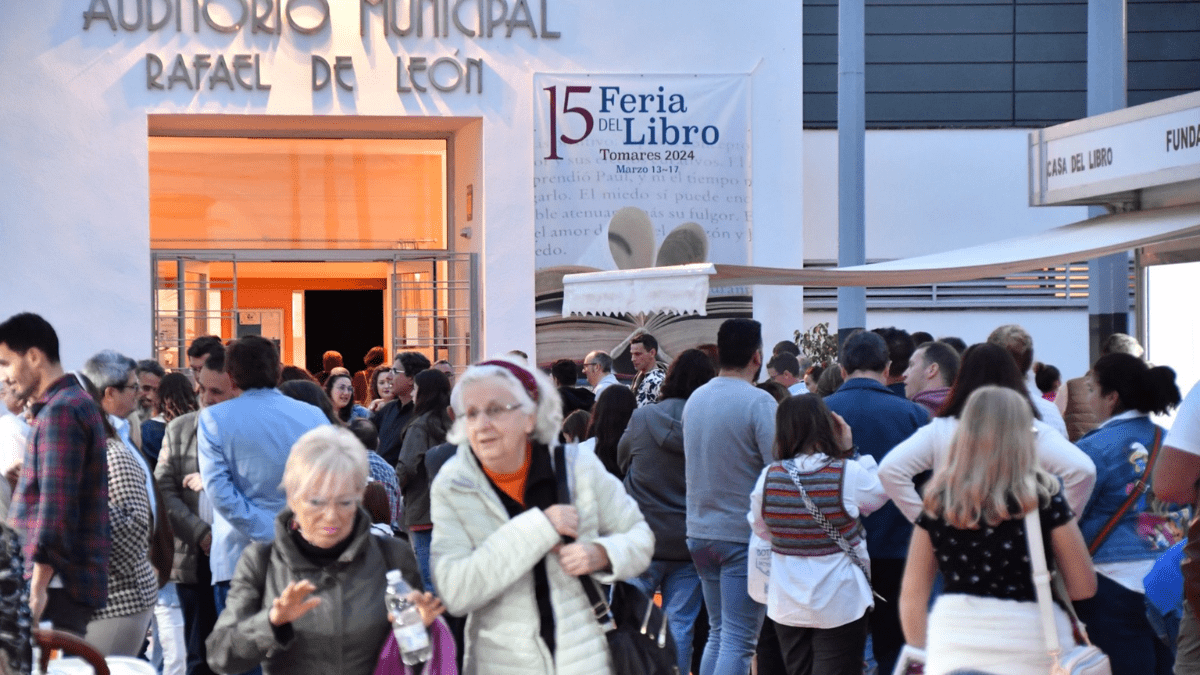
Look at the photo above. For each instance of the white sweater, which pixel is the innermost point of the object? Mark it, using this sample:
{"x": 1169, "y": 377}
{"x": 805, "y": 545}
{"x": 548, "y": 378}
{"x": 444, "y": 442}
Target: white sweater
{"x": 483, "y": 563}
{"x": 928, "y": 447}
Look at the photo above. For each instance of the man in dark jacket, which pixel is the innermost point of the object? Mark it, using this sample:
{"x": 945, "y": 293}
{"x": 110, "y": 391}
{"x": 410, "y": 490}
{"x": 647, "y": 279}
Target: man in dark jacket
{"x": 178, "y": 477}
{"x": 391, "y": 418}
{"x": 880, "y": 419}
{"x": 566, "y": 375}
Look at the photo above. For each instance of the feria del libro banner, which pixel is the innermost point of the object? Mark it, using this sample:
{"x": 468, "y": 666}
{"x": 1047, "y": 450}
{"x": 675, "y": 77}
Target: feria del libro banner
{"x": 635, "y": 171}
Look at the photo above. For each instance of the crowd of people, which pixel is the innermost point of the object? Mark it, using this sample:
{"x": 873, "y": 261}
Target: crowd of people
{"x": 242, "y": 515}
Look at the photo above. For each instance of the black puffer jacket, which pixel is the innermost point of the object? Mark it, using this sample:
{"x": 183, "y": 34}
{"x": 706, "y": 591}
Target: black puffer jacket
{"x": 651, "y": 452}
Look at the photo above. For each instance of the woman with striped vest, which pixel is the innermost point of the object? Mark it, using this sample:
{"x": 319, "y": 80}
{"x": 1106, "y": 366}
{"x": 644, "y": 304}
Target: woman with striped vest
{"x": 807, "y": 504}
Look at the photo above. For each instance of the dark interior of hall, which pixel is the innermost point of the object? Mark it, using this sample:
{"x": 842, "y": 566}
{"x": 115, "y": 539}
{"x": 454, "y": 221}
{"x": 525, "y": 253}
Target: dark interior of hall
{"x": 349, "y": 322}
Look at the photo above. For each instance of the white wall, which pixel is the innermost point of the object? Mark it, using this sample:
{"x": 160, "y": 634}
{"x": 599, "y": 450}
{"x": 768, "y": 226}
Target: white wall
{"x": 1174, "y": 335}
{"x": 928, "y": 191}
{"x": 939, "y": 190}
{"x": 1059, "y": 337}
{"x": 74, "y": 223}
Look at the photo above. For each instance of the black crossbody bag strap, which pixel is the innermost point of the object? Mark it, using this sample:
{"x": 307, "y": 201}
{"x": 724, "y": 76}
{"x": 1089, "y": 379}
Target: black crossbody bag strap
{"x": 600, "y": 608}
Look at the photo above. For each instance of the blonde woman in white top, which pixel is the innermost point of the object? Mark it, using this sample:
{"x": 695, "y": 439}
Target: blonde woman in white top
{"x": 972, "y": 531}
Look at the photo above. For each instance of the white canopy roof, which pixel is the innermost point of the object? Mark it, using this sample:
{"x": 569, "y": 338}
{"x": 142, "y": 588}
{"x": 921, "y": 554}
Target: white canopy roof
{"x": 684, "y": 289}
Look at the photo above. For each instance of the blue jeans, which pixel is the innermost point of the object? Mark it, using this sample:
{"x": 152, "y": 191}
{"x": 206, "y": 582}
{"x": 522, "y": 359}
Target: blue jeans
{"x": 220, "y": 592}
{"x": 1116, "y": 622}
{"x": 734, "y": 618}
{"x": 420, "y": 542}
{"x": 680, "y": 598}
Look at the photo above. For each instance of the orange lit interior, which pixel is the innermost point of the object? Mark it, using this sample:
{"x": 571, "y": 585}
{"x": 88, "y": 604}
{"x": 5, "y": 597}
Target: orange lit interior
{"x": 255, "y": 194}
{"x": 289, "y": 193}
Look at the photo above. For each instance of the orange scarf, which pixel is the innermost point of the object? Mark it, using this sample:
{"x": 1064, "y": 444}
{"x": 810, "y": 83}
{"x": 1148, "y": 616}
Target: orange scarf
{"x": 513, "y": 484}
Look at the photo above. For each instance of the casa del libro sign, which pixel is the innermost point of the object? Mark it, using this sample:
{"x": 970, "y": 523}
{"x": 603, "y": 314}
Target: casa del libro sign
{"x": 203, "y": 71}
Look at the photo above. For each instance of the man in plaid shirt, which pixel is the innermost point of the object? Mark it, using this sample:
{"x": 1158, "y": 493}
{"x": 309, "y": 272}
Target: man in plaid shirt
{"x": 60, "y": 507}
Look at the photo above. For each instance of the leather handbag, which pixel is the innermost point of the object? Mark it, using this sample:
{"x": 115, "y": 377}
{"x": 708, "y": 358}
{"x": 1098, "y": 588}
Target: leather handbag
{"x": 1081, "y": 658}
{"x": 639, "y": 641}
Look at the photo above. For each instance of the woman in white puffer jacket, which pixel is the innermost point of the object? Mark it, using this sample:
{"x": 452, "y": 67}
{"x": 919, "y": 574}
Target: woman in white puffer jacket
{"x": 498, "y": 553}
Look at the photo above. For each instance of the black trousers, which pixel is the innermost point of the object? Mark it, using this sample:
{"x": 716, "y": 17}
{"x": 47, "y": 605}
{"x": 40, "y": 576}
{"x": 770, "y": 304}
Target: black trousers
{"x": 199, "y": 616}
{"x": 769, "y": 652}
{"x": 887, "y": 638}
{"x": 827, "y": 651}
{"x": 64, "y": 613}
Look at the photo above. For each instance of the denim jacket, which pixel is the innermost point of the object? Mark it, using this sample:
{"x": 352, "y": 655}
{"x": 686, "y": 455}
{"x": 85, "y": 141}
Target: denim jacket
{"x": 1121, "y": 449}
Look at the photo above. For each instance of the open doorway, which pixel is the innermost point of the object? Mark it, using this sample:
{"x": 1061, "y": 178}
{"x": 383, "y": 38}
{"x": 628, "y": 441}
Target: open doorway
{"x": 348, "y": 322}
{"x": 252, "y": 215}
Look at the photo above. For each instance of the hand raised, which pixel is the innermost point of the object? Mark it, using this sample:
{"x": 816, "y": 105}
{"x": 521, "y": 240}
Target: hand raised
{"x": 842, "y": 431}
{"x": 293, "y": 603}
{"x": 564, "y": 518}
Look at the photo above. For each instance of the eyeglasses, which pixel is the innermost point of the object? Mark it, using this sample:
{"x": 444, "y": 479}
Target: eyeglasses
{"x": 127, "y": 385}
{"x": 343, "y": 388}
{"x": 493, "y": 411}
{"x": 588, "y": 365}
{"x": 340, "y": 503}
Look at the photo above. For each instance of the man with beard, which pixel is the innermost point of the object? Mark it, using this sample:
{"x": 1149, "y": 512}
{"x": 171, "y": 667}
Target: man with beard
{"x": 728, "y": 438}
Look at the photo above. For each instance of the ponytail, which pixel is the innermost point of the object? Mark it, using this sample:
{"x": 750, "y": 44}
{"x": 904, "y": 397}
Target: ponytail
{"x": 1162, "y": 393}
{"x": 1138, "y": 386}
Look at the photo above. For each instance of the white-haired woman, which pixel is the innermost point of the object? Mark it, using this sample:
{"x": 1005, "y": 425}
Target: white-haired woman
{"x": 498, "y": 552}
{"x": 312, "y": 601}
{"x": 972, "y": 529}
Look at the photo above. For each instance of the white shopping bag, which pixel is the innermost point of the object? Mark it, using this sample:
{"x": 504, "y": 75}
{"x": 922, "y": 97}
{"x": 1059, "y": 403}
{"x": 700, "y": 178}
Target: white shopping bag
{"x": 758, "y": 568}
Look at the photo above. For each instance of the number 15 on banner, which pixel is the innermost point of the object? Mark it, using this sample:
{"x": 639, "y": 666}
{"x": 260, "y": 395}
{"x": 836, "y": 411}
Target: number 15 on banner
{"x": 589, "y": 122}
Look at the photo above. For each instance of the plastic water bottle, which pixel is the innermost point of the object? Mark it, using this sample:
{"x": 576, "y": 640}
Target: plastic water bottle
{"x": 407, "y": 624}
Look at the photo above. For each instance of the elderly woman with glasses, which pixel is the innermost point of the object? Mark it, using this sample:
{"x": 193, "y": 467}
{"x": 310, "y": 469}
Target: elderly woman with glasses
{"x": 312, "y": 601}
{"x": 498, "y": 552}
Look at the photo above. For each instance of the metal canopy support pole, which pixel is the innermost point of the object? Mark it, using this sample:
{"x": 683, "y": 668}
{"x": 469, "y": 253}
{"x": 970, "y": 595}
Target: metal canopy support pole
{"x": 851, "y": 125}
{"x": 181, "y": 311}
{"x": 1108, "y": 277}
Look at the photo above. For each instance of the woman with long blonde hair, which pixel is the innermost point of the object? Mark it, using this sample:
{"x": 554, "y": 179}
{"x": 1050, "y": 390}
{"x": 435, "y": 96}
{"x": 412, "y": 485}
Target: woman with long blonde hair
{"x": 972, "y": 530}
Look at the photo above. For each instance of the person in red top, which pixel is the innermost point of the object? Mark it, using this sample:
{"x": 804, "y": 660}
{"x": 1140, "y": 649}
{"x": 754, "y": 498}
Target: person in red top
{"x": 60, "y": 506}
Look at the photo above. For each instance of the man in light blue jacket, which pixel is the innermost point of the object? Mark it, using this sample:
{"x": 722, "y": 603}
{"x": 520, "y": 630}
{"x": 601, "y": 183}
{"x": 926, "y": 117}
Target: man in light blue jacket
{"x": 243, "y": 445}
